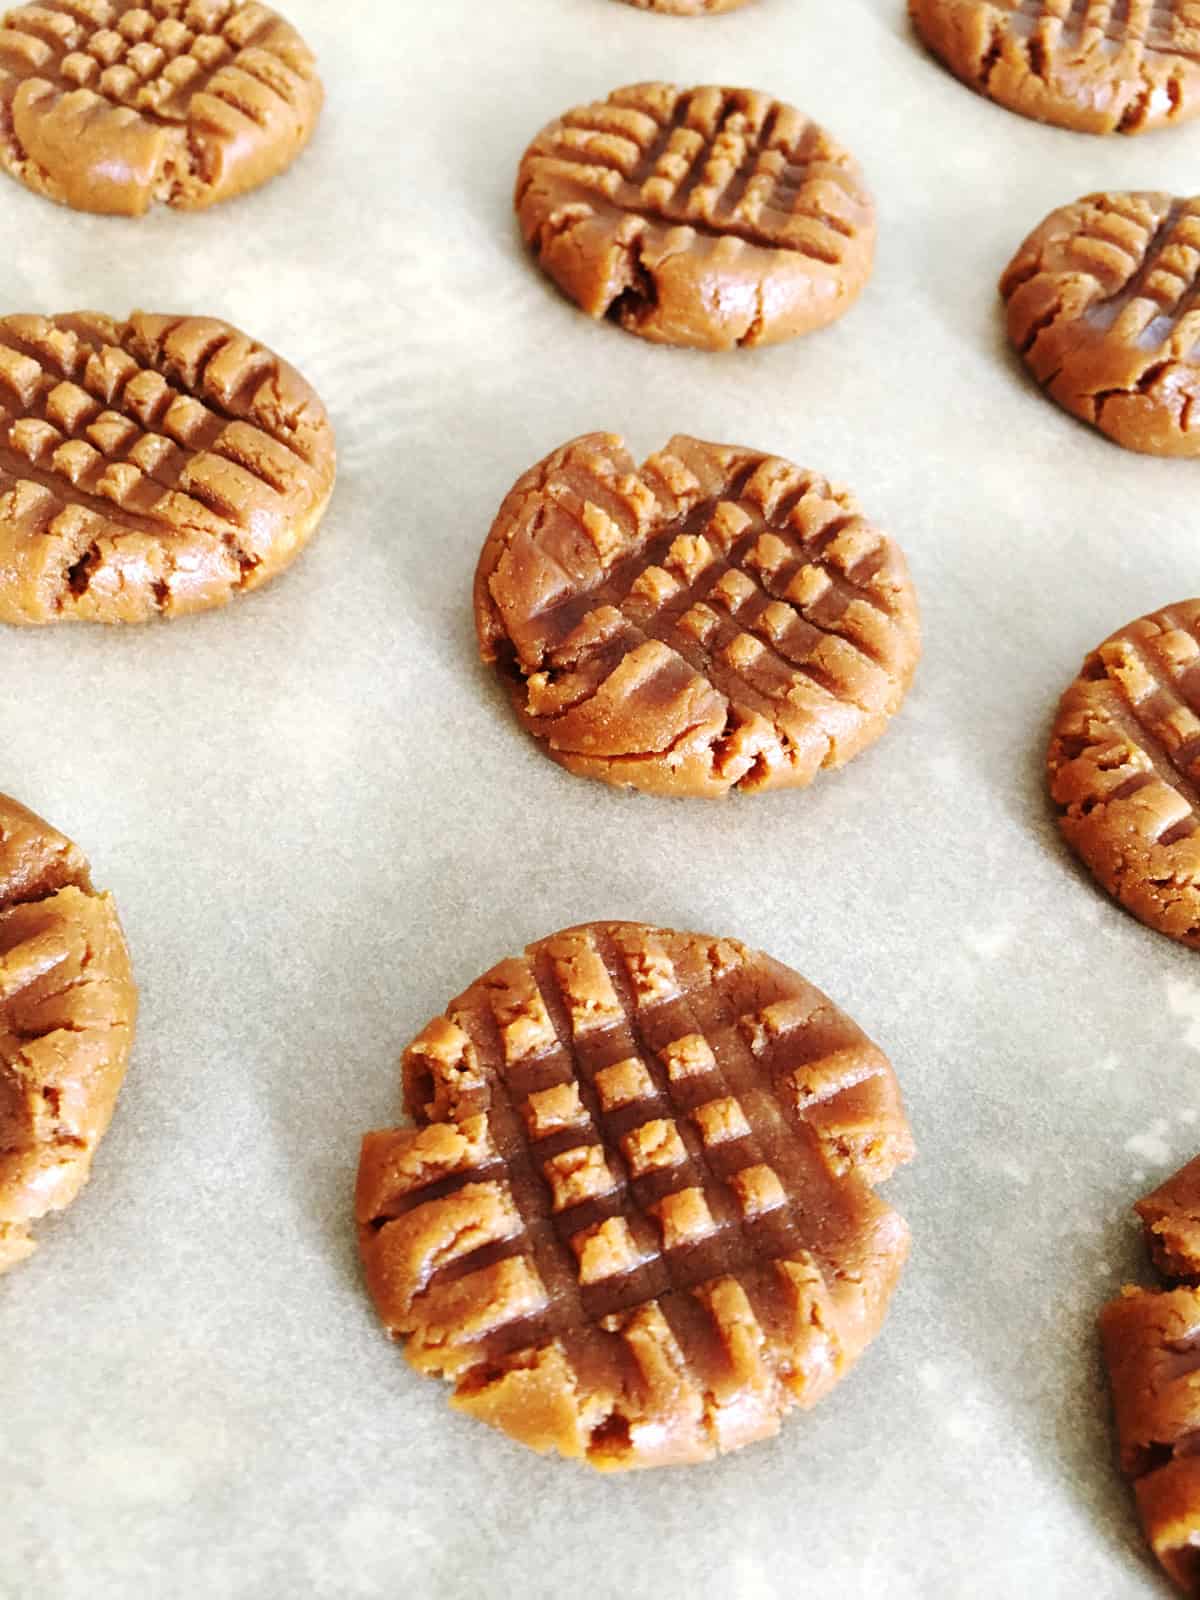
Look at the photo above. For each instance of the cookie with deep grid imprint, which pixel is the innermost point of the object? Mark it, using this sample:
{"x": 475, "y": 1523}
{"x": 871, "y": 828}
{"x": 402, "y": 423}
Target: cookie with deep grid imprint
{"x": 635, "y": 1222}
{"x": 67, "y": 1010}
{"x": 1095, "y": 66}
{"x": 705, "y": 217}
{"x": 1104, "y": 307}
{"x": 1124, "y": 766}
{"x": 109, "y": 106}
{"x": 151, "y": 467}
{"x": 713, "y": 619}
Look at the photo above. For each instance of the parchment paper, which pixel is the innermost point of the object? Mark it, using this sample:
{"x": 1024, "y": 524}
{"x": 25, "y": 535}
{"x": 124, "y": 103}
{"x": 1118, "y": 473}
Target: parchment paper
{"x": 320, "y": 822}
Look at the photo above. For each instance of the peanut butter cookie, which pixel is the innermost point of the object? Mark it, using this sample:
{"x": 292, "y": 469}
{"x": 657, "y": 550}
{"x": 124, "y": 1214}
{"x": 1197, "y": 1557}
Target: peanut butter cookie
{"x": 1097, "y": 66}
{"x": 67, "y": 1010}
{"x": 111, "y": 105}
{"x": 1152, "y": 1351}
{"x": 1104, "y": 308}
{"x": 713, "y": 619}
{"x": 636, "y": 1221}
{"x": 1124, "y": 765}
{"x": 705, "y": 217}
{"x": 150, "y": 467}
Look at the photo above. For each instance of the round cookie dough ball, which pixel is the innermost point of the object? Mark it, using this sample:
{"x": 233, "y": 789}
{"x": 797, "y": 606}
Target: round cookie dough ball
{"x": 705, "y": 217}
{"x": 714, "y": 619}
{"x": 1104, "y": 311}
{"x": 149, "y": 468}
{"x": 635, "y": 1222}
{"x": 1096, "y": 66}
{"x": 111, "y": 105}
{"x": 1124, "y": 766}
{"x": 67, "y": 1010}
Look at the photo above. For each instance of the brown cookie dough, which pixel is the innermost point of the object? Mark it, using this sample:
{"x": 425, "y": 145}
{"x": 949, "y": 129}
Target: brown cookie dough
{"x": 1104, "y": 308}
{"x": 1152, "y": 1350}
{"x": 1124, "y": 765}
{"x": 687, "y": 8}
{"x": 107, "y": 105}
{"x": 704, "y": 217}
{"x": 635, "y": 1222}
{"x": 1097, "y": 66}
{"x": 150, "y": 467}
{"x": 715, "y": 618}
{"x": 67, "y": 1010}
{"x": 1151, "y": 1347}
{"x": 1171, "y": 1215}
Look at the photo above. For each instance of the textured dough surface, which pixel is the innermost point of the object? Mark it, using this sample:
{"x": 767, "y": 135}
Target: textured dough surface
{"x": 67, "y": 1010}
{"x": 109, "y": 106}
{"x": 1104, "y": 308}
{"x": 713, "y": 619}
{"x": 1151, "y": 1346}
{"x": 706, "y": 217}
{"x": 635, "y": 1222}
{"x": 1096, "y": 66}
{"x": 151, "y": 467}
{"x": 1171, "y": 1217}
{"x": 1124, "y": 764}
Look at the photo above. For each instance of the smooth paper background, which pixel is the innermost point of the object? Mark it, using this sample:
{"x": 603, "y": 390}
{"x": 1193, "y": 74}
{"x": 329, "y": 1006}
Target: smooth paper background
{"x": 320, "y": 822}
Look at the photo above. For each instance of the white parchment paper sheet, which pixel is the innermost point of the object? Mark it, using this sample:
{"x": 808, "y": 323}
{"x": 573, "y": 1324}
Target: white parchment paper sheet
{"x": 320, "y": 822}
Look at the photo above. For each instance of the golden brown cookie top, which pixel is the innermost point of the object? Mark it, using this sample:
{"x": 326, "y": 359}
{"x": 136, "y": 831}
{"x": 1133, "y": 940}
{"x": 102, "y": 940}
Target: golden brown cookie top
{"x": 708, "y": 217}
{"x": 1104, "y": 308}
{"x": 1096, "y": 66}
{"x": 149, "y": 467}
{"x": 1124, "y": 765}
{"x": 715, "y": 618}
{"x": 67, "y": 1009}
{"x": 635, "y": 1221}
{"x": 109, "y": 105}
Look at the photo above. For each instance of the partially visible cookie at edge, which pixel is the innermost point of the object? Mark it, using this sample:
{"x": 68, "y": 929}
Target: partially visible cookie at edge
{"x": 1151, "y": 1343}
{"x": 636, "y": 1220}
{"x": 1170, "y": 1215}
{"x": 151, "y": 467}
{"x": 1124, "y": 768}
{"x": 111, "y": 105}
{"x": 715, "y": 618}
{"x": 706, "y": 217}
{"x": 1093, "y": 66}
{"x": 67, "y": 1010}
{"x": 1104, "y": 309}
{"x": 687, "y": 8}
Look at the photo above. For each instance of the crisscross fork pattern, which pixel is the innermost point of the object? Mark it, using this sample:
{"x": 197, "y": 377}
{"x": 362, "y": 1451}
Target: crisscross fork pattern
{"x": 710, "y": 581}
{"x": 621, "y": 1162}
{"x": 153, "y": 58}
